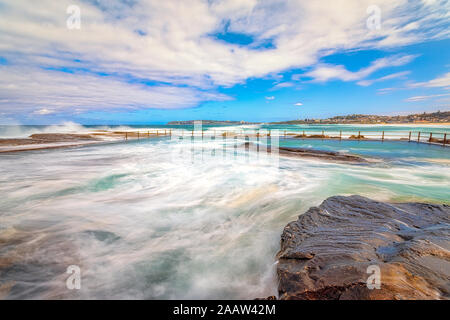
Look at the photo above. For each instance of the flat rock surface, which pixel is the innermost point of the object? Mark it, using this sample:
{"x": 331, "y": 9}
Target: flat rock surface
{"x": 326, "y": 253}
{"x": 319, "y": 154}
{"x": 308, "y": 153}
{"x": 40, "y": 138}
{"x": 40, "y": 141}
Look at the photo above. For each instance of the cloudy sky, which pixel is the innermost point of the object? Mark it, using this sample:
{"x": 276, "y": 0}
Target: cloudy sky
{"x": 152, "y": 61}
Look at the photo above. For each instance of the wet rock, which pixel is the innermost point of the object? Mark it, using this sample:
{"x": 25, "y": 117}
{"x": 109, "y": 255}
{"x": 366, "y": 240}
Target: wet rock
{"x": 40, "y": 141}
{"x": 40, "y": 138}
{"x": 308, "y": 153}
{"x": 104, "y": 236}
{"x": 60, "y": 137}
{"x": 268, "y": 298}
{"x": 326, "y": 253}
{"x": 33, "y": 264}
{"x": 319, "y": 154}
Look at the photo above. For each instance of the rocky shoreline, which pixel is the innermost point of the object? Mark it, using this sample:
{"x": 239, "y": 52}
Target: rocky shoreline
{"x": 42, "y": 141}
{"x": 308, "y": 153}
{"x": 321, "y": 155}
{"x": 332, "y": 251}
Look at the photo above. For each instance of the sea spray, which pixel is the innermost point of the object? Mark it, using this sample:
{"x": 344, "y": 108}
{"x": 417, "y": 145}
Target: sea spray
{"x": 141, "y": 223}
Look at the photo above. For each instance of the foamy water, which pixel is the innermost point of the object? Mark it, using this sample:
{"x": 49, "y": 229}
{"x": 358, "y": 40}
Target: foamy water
{"x": 166, "y": 218}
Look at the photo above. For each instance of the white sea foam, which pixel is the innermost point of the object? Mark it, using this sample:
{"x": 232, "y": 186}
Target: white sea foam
{"x": 143, "y": 223}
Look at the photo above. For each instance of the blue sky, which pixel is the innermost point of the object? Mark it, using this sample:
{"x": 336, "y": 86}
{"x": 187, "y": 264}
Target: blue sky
{"x": 135, "y": 62}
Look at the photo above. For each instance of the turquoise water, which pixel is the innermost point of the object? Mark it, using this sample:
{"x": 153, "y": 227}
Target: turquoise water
{"x": 14, "y": 131}
{"x": 395, "y": 150}
{"x": 169, "y": 218}
{"x": 362, "y": 127}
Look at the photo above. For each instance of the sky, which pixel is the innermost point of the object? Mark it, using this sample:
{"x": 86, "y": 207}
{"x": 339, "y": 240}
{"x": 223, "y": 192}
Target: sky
{"x": 152, "y": 61}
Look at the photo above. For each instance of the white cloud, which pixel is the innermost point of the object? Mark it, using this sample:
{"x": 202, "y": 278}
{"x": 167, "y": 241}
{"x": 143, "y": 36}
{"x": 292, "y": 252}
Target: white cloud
{"x": 170, "y": 41}
{"x": 422, "y": 98}
{"x": 443, "y": 81}
{"x": 326, "y": 72}
{"x": 270, "y": 98}
{"x": 282, "y": 85}
{"x": 298, "y": 104}
{"x": 391, "y": 76}
{"x": 44, "y": 111}
{"x": 439, "y": 82}
{"x": 33, "y": 91}
{"x": 386, "y": 90}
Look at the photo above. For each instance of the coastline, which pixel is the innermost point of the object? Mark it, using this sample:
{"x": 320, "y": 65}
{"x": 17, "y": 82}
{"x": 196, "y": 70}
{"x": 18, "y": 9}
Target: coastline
{"x": 324, "y": 123}
{"x": 188, "y": 200}
{"x": 405, "y": 242}
{"x": 43, "y": 141}
{"x": 390, "y": 124}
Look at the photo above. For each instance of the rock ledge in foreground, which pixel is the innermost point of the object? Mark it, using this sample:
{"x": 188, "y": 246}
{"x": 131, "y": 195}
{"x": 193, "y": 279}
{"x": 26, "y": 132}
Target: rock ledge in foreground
{"x": 326, "y": 252}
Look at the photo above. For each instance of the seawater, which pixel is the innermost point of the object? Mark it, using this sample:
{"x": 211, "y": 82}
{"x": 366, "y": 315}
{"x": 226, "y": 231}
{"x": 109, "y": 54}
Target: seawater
{"x": 21, "y": 131}
{"x": 179, "y": 218}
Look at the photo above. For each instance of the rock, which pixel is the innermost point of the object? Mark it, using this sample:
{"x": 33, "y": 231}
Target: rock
{"x": 60, "y": 137}
{"x": 268, "y": 298}
{"x": 40, "y": 141}
{"x": 326, "y": 253}
{"x": 104, "y": 236}
{"x": 307, "y": 153}
{"x": 319, "y": 154}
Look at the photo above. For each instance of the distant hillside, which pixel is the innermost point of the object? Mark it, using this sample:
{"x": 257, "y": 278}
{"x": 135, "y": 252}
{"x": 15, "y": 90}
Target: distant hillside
{"x": 434, "y": 117}
{"x": 208, "y": 122}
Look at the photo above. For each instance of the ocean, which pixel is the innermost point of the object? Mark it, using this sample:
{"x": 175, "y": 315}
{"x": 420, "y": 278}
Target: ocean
{"x": 23, "y": 131}
{"x": 171, "y": 218}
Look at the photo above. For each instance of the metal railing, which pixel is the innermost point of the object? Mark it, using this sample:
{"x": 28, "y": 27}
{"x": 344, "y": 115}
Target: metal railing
{"x": 437, "y": 138}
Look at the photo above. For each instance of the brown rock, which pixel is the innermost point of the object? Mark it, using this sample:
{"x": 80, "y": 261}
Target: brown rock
{"x": 326, "y": 252}
{"x": 308, "y": 153}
